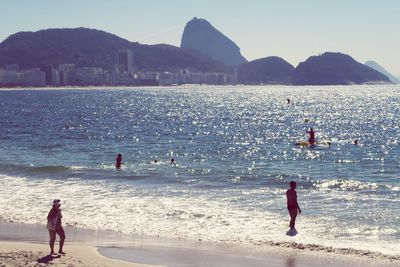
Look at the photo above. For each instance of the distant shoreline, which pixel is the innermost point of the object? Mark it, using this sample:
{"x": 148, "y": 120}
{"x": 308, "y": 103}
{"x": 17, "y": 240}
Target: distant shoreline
{"x": 183, "y": 86}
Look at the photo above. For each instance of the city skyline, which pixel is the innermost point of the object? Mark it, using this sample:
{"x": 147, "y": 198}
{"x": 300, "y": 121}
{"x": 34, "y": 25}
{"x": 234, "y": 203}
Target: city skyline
{"x": 366, "y": 30}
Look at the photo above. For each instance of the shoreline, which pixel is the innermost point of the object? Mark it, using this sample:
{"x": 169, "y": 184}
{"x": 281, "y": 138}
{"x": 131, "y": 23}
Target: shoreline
{"x": 178, "y": 86}
{"x": 23, "y": 244}
{"x": 169, "y": 252}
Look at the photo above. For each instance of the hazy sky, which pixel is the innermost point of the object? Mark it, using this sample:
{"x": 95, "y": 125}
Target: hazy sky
{"x": 292, "y": 29}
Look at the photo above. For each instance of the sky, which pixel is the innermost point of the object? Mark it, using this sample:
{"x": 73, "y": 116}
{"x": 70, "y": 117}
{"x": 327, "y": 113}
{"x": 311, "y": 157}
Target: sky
{"x": 291, "y": 29}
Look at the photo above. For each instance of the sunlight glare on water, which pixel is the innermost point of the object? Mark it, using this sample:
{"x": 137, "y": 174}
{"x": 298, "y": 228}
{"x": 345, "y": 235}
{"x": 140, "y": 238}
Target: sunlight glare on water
{"x": 235, "y": 153}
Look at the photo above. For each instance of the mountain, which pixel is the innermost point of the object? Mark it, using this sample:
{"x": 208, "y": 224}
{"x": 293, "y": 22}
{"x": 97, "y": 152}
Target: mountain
{"x": 269, "y": 70}
{"x": 377, "y": 67}
{"x": 94, "y": 48}
{"x": 201, "y": 35}
{"x": 334, "y": 69}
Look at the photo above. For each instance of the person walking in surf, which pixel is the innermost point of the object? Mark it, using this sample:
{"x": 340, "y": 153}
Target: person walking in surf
{"x": 118, "y": 161}
{"x": 292, "y": 205}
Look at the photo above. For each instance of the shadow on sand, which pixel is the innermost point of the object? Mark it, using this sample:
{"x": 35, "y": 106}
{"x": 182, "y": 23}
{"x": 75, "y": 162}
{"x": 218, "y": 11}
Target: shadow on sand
{"x": 48, "y": 258}
{"x": 292, "y": 232}
{"x": 291, "y": 262}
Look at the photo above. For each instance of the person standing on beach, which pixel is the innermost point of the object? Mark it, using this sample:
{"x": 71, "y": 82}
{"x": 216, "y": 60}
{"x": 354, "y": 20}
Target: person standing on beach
{"x": 54, "y": 226}
{"x": 118, "y": 161}
{"x": 292, "y": 204}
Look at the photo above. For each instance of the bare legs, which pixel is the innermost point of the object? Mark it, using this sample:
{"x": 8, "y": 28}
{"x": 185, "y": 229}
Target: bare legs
{"x": 61, "y": 234}
{"x": 52, "y": 239}
{"x": 293, "y": 215}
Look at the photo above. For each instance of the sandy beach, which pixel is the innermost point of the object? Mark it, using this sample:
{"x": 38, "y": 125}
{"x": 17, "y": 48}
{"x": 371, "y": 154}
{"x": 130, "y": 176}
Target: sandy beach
{"x": 34, "y": 254}
{"x": 26, "y": 245}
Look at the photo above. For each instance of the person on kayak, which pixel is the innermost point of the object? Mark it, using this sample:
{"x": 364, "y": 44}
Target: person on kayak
{"x": 311, "y": 139}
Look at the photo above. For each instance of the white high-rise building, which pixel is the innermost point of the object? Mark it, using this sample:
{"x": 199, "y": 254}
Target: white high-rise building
{"x": 9, "y": 77}
{"x": 34, "y": 77}
{"x": 125, "y": 60}
{"x": 67, "y": 73}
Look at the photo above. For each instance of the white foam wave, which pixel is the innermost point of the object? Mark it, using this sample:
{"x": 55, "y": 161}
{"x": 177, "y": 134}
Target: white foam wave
{"x": 347, "y": 184}
{"x": 229, "y": 215}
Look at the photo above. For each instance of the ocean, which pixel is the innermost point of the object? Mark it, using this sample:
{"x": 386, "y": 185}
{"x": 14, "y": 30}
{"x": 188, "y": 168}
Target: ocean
{"x": 234, "y": 151}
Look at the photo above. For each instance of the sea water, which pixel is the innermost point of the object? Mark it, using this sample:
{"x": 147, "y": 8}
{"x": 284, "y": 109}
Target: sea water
{"x": 235, "y": 153}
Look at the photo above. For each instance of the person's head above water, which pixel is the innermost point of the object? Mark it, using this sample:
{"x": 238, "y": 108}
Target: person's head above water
{"x": 119, "y": 156}
{"x": 293, "y": 185}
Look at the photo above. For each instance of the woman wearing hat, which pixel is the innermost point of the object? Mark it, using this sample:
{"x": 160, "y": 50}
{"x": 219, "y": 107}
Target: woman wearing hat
{"x": 54, "y": 226}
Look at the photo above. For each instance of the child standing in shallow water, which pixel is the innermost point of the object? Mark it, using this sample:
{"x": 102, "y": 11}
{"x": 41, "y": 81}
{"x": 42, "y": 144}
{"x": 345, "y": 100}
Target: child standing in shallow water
{"x": 118, "y": 161}
{"x": 292, "y": 204}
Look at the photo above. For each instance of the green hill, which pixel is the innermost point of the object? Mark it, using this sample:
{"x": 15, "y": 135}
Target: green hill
{"x": 269, "y": 70}
{"x": 335, "y": 69}
{"x": 94, "y": 48}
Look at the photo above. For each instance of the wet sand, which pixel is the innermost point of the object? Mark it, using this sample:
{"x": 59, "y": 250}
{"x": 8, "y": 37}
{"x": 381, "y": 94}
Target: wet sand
{"x": 32, "y": 254}
{"x": 25, "y": 244}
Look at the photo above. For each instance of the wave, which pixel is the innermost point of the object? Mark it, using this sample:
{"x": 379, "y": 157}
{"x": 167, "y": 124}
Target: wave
{"x": 351, "y": 185}
{"x": 67, "y": 172}
{"x": 272, "y": 180}
{"x": 38, "y": 169}
{"x": 281, "y": 180}
{"x": 214, "y": 215}
{"x": 50, "y": 169}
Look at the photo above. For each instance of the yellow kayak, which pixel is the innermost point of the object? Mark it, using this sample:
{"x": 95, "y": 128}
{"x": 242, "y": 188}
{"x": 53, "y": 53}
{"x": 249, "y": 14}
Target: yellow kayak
{"x": 306, "y": 143}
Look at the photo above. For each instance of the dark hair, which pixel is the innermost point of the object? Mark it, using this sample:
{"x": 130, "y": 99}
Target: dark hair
{"x": 293, "y": 184}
